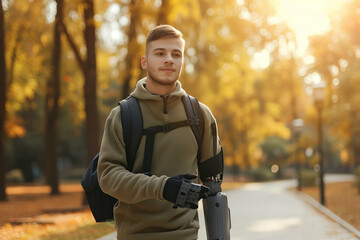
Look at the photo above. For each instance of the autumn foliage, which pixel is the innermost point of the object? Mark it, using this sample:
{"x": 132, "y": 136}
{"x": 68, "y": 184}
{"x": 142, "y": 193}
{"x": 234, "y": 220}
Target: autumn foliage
{"x": 254, "y": 102}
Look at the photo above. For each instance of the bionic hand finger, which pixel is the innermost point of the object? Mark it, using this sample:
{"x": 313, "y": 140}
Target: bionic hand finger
{"x": 189, "y": 194}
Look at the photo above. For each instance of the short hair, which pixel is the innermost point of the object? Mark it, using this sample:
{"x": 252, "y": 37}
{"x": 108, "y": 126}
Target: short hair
{"x": 163, "y": 31}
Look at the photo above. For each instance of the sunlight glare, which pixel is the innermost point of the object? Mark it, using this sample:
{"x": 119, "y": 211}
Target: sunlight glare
{"x": 306, "y": 17}
{"x": 5, "y": 5}
{"x": 50, "y": 12}
{"x": 275, "y": 168}
{"x": 313, "y": 78}
{"x": 261, "y": 59}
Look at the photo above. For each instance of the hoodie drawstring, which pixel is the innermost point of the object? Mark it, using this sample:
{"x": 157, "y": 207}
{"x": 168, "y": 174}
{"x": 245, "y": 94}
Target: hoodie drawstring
{"x": 165, "y": 103}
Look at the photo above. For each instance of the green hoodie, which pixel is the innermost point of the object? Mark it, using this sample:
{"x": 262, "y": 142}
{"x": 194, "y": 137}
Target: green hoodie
{"x": 142, "y": 212}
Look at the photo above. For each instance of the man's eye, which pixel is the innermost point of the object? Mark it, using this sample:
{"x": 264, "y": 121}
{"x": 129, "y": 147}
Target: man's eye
{"x": 177, "y": 55}
{"x": 159, "y": 54}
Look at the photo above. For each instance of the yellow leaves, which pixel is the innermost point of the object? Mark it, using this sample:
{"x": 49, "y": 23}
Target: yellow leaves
{"x": 36, "y": 49}
{"x": 30, "y": 88}
{"x": 62, "y": 226}
{"x": 20, "y": 92}
{"x": 274, "y": 128}
{"x": 72, "y": 97}
{"x": 228, "y": 91}
{"x": 273, "y": 109}
{"x": 81, "y": 7}
{"x": 185, "y": 9}
{"x": 98, "y": 22}
{"x": 45, "y": 39}
{"x": 24, "y": 7}
{"x": 344, "y": 156}
{"x": 80, "y": 117}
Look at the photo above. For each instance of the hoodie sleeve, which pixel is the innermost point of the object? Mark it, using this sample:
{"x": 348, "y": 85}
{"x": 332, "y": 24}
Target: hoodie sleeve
{"x": 114, "y": 178}
{"x": 211, "y": 141}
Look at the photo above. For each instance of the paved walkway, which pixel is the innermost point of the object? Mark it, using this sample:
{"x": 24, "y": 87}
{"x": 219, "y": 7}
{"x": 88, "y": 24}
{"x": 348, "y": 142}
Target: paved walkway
{"x": 268, "y": 211}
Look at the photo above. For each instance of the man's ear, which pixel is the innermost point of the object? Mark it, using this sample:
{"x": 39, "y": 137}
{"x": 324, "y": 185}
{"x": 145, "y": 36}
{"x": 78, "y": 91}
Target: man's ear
{"x": 143, "y": 62}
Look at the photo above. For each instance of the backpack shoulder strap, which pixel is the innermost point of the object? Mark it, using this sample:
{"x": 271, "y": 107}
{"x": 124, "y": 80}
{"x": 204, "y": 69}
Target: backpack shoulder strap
{"x": 194, "y": 113}
{"x": 132, "y": 125}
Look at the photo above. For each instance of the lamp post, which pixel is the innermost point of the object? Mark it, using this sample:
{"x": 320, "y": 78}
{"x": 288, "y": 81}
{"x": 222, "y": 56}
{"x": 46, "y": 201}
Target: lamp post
{"x": 319, "y": 95}
{"x": 298, "y": 125}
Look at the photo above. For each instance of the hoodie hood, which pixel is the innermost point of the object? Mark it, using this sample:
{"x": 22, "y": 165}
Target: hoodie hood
{"x": 140, "y": 92}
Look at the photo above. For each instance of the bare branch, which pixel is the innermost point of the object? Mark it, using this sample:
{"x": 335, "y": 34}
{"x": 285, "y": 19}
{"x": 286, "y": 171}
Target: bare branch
{"x": 80, "y": 61}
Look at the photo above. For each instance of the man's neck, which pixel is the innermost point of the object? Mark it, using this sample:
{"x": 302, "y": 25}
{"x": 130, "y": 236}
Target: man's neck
{"x": 159, "y": 89}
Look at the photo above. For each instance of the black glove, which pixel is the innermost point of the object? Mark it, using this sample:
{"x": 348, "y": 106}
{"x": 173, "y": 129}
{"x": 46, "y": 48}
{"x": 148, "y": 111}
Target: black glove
{"x": 183, "y": 193}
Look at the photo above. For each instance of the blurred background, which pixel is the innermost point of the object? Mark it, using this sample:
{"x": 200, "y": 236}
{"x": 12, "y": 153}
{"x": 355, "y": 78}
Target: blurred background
{"x": 257, "y": 64}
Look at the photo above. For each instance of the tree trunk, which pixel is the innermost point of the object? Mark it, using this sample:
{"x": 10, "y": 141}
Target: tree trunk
{"x": 92, "y": 121}
{"x": 88, "y": 68}
{"x": 163, "y": 12}
{"x": 14, "y": 55}
{"x": 131, "y": 57}
{"x": 2, "y": 105}
{"x": 52, "y": 107}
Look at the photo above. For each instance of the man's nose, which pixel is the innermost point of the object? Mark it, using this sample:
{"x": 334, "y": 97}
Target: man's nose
{"x": 169, "y": 58}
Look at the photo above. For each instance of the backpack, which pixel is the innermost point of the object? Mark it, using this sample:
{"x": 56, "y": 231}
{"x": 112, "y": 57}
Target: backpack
{"x": 102, "y": 204}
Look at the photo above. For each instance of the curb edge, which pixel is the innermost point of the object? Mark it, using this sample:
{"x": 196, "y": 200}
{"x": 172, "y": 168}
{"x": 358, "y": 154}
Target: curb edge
{"x": 330, "y": 214}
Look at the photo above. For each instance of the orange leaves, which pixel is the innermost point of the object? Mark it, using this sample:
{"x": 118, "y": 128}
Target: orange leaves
{"x": 15, "y": 128}
{"x": 67, "y": 78}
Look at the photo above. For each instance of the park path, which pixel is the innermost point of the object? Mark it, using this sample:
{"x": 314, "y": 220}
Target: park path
{"x": 269, "y": 211}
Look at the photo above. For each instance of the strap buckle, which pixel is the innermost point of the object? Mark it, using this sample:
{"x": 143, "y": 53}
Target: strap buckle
{"x": 194, "y": 121}
{"x": 166, "y": 127}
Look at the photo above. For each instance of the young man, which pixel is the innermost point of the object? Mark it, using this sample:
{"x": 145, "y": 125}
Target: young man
{"x": 145, "y": 209}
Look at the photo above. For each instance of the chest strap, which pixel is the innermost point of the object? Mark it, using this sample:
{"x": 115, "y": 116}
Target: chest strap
{"x": 150, "y": 139}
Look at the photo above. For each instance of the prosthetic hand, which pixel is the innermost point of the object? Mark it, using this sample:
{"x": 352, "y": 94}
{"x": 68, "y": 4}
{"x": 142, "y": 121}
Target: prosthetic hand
{"x": 184, "y": 193}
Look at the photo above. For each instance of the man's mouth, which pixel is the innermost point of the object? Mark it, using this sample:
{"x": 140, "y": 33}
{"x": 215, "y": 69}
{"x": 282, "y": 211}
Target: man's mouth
{"x": 167, "y": 69}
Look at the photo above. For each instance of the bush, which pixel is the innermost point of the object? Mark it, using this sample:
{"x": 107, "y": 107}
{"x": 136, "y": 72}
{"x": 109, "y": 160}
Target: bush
{"x": 308, "y": 177}
{"x": 261, "y": 175}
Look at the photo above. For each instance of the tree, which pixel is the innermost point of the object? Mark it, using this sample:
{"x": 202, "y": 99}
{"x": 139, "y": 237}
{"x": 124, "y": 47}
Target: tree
{"x": 2, "y": 104}
{"x": 163, "y": 13}
{"x": 223, "y": 38}
{"x": 88, "y": 68}
{"x": 337, "y": 56}
{"x": 52, "y": 106}
{"x": 92, "y": 120}
{"x": 133, "y": 55}
{"x": 28, "y": 55}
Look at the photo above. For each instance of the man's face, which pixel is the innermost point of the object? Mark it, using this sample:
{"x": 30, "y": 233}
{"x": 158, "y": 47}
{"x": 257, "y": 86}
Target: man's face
{"x": 164, "y": 60}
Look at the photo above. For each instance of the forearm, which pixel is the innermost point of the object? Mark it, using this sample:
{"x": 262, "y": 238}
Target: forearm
{"x": 127, "y": 186}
